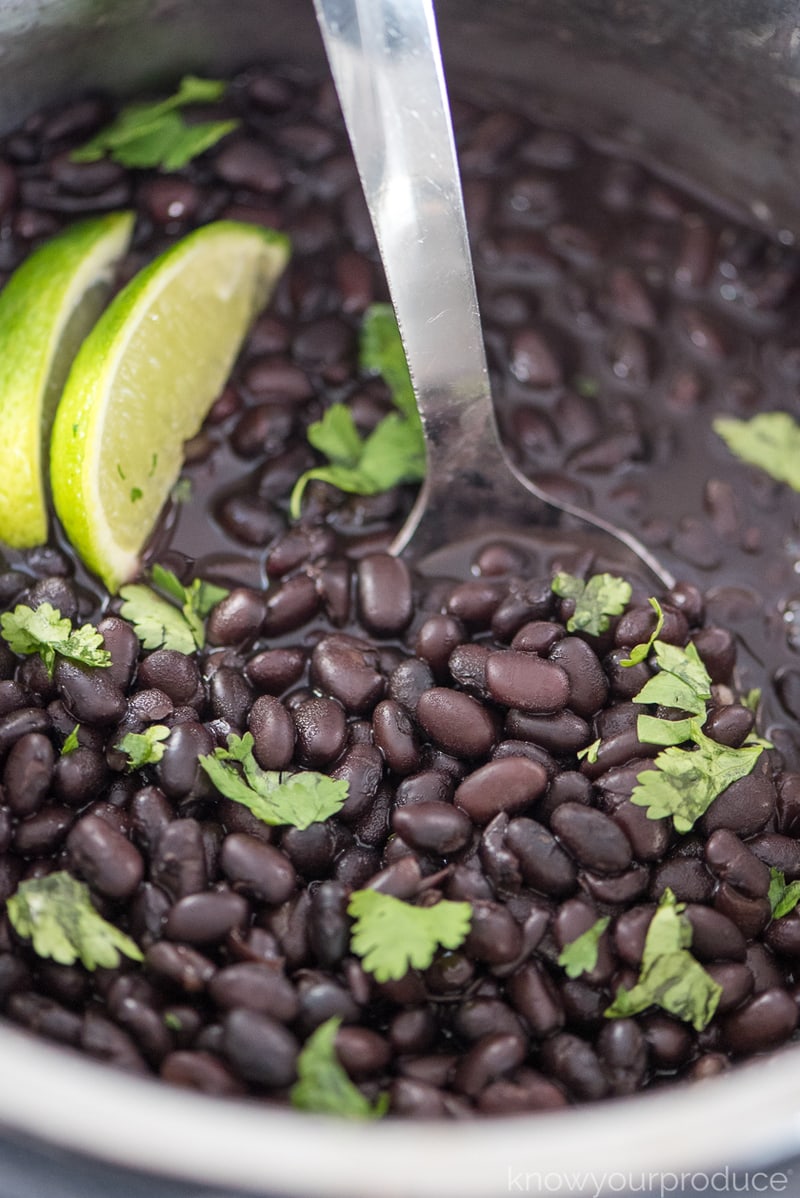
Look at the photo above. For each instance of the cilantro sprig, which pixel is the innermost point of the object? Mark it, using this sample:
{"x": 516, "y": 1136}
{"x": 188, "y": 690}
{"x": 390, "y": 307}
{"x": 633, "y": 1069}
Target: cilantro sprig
{"x": 158, "y": 622}
{"x": 783, "y": 897}
{"x": 392, "y": 937}
{"x": 394, "y": 452}
{"x": 43, "y": 630}
{"x": 770, "y": 440}
{"x": 274, "y": 797}
{"x": 580, "y": 956}
{"x": 156, "y": 134}
{"x": 56, "y": 914}
{"x": 596, "y": 600}
{"x": 323, "y": 1086}
{"x": 670, "y": 977}
{"x": 144, "y": 748}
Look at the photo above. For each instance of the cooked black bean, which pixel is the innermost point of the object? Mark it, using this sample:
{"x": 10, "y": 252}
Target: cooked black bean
{"x": 206, "y": 918}
{"x": 564, "y": 732}
{"x": 321, "y": 997}
{"x": 433, "y": 827}
{"x": 714, "y": 936}
{"x": 27, "y": 773}
{"x": 687, "y": 878}
{"x": 88, "y": 692}
{"x": 230, "y": 696}
{"x": 105, "y": 858}
{"x": 751, "y": 916}
{"x": 778, "y": 852}
{"x": 592, "y": 838}
{"x": 42, "y": 832}
{"x": 456, "y": 722}
{"x": 257, "y": 869}
{"x": 347, "y": 669}
{"x": 21, "y": 723}
{"x": 526, "y": 681}
{"x": 201, "y": 1071}
{"x": 329, "y": 926}
{"x": 385, "y": 600}
{"x": 534, "y": 995}
{"x": 764, "y": 1022}
{"x": 731, "y": 861}
{"x": 488, "y": 1059}
{"x": 736, "y": 981}
{"x": 321, "y": 731}
{"x": 44, "y": 1016}
{"x": 409, "y": 681}
{"x": 275, "y": 670}
{"x": 179, "y": 770}
{"x": 178, "y": 864}
{"x": 576, "y": 1065}
{"x": 745, "y": 807}
{"x": 260, "y": 1048}
{"x": 273, "y": 731}
{"x": 623, "y": 1051}
{"x": 172, "y": 672}
{"x": 543, "y": 863}
{"x": 396, "y": 738}
{"x": 509, "y": 785}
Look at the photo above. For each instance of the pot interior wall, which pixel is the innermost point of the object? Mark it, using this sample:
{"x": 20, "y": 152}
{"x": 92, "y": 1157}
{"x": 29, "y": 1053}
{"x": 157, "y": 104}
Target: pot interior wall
{"x": 706, "y": 91}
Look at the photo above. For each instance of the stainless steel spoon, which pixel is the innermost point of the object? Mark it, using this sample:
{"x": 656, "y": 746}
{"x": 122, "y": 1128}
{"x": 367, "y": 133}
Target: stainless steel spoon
{"x": 387, "y": 67}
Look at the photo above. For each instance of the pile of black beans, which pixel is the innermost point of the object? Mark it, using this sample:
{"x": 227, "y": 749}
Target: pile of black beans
{"x": 455, "y": 708}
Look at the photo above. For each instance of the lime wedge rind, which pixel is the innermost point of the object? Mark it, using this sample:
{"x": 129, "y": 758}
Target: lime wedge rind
{"x": 46, "y": 308}
{"x": 142, "y": 384}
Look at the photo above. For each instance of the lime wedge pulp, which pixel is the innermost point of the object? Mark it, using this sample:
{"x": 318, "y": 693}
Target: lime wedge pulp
{"x": 46, "y": 309}
{"x": 143, "y": 382}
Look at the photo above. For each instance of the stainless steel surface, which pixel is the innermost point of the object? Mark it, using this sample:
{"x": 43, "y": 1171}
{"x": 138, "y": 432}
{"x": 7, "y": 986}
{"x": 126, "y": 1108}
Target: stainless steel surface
{"x": 386, "y": 63}
{"x": 707, "y": 91}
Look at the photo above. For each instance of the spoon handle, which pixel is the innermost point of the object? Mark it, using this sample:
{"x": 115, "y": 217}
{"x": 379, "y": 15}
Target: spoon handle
{"x": 386, "y": 64}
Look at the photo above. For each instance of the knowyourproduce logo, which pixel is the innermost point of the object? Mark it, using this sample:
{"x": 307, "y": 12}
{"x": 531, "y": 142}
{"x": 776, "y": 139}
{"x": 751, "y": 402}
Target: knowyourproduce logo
{"x": 651, "y": 1184}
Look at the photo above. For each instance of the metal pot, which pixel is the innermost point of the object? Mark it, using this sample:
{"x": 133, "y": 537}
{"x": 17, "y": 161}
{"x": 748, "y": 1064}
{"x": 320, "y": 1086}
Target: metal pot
{"x": 709, "y": 92}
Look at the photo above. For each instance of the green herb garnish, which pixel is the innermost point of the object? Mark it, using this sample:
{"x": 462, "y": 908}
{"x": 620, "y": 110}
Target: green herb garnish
{"x": 323, "y": 1085}
{"x": 603, "y": 596}
{"x": 581, "y": 955}
{"x": 71, "y": 742}
{"x": 274, "y": 797}
{"x": 641, "y": 652}
{"x": 45, "y": 631}
{"x": 670, "y": 977}
{"x": 394, "y": 452}
{"x": 56, "y": 914}
{"x": 590, "y": 752}
{"x": 144, "y": 748}
{"x": 158, "y": 622}
{"x": 783, "y": 897}
{"x": 156, "y": 135}
{"x": 392, "y": 937}
{"x": 770, "y": 440}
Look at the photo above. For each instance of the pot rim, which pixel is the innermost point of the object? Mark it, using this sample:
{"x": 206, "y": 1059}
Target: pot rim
{"x": 749, "y": 1116}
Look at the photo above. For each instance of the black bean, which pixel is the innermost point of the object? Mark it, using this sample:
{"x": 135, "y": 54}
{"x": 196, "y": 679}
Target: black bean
{"x": 492, "y": 1057}
{"x": 592, "y": 838}
{"x": 20, "y": 723}
{"x": 321, "y": 997}
{"x": 714, "y": 936}
{"x": 509, "y": 785}
{"x": 530, "y": 1091}
{"x": 27, "y": 773}
{"x": 43, "y": 832}
{"x": 178, "y": 864}
{"x": 534, "y": 995}
{"x": 257, "y": 869}
{"x": 623, "y": 1051}
{"x": 123, "y": 644}
{"x": 564, "y": 732}
{"x": 329, "y": 926}
{"x": 180, "y": 965}
{"x": 321, "y": 731}
{"x": 764, "y": 1022}
{"x": 412, "y": 1030}
{"x": 395, "y": 736}
{"x": 108, "y": 861}
{"x": 206, "y": 918}
{"x": 275, "y": 670}
{"x": 686, "y": 877}
{"x": 736, "y": 981}
{"x": 179, "y": 770}
{"x": 777, "y": 851}
{"x": 456, "y": 722}
{"x": 717, "y": 649}
{"x": 45, "y": 1017}
{"x": 347, "y": 669}
{"x": 362, "y": 1052}
{"x": 494, "y": 936}
{"x": 670, "y": 1042}
{"x": 273, "y": 733}
{"x": 626, "y": 887}
{"x": 385, "y": 602}
{"x": 526, "y": 681}
{"x": 543, "y": 863}
{"x": 573, "y": 918}
{"x": 576, "y": 1065}
{"x": 416, "y": 1098}
{"x": 88, "y": 692}
{"x": 436, "y": 640}
{"x": 171, "y": 672}
{"x": 202, "y": 1071}
{"x": 751, "y": 916}
{"x": 433, "y": 827}
{"x": 409, "y": 681}
{"x": 311, "y": 850}
{"x": 230, "y": 696}
{"x": 744, "y": 807}
{"x": 255, "y": 987}
{"x": 731, "y": 861}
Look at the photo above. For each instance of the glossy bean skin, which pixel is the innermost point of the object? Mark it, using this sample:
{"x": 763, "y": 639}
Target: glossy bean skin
{"x": 510, "y": 785}
{"x": 108, "y": 860}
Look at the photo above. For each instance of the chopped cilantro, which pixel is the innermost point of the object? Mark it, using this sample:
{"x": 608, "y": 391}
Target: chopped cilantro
{"x": 158, "y": 622}
{"x": 182, "y": 491}
{"x": 156, "y": 135}
{"x": 276, "y": 798}
{"x": 752, "y": 699}
{"x": 604, "y": 595}
{"x": 56, "y": 914}
{"x": 641, "y": 652}
{"x": 670, "y": 977}
{"x": 323, "y": 1085}
{"x": 392, "y": 937}
{"x": 136, "y": 493}
{"x": 173, "y": 1021}
{"x": 394, "y": 452}
{"x": 783, "y": 898}
{"x": 590, "y": 752}
{"x": 682, "y": 680}
{"x": 71, "y": 742}
{"x": 770, "y": 440}
{"x": 144, "y": 748}
{"x": 581, "y": 955}
{"x": 43, "y": 630}
{"x": 685, "y": 782}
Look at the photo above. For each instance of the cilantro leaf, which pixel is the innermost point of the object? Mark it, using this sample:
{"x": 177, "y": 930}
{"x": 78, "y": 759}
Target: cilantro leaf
{"x": 158, "y": 623}
{"x": 392, "y": 936}
{"x": 394, "y": 451}
{"x": 641, "y": 652}
{"x": 783, "y": 898}
{"x": 770, "y": 440}
{"x": 156, "y": 135}
{"x": 56, "y": 914}
{"x": 685, "y": 782}
{"x": 71, "y": 742}
{"x": 670, "y": 977}
{"x": 682, "y": 680}
{"x": 581, "y": 955}
{"x": 43, "y": 630}
{"x": 323, "y": 1085}
{"x": 274, "y": 797}
{"x": 144, "y": 748}
{"x": 602, "y": 596}
{"x": 752, "y": 699}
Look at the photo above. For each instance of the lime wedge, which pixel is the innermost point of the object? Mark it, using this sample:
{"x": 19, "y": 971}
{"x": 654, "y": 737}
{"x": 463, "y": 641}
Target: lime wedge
{"x": 143, "y": 382}
{"x": 46, "y": 309}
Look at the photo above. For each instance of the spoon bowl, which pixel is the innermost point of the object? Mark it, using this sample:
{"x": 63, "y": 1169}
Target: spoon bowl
{"x": 387, "y": 67}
